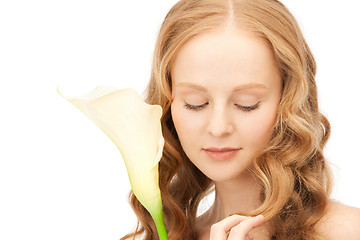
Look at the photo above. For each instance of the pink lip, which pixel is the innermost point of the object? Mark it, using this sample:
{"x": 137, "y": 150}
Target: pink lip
{"x": 221, "y": 153}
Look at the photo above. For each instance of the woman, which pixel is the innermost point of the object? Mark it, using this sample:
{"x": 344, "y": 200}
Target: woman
{"x": 236, "y": 80}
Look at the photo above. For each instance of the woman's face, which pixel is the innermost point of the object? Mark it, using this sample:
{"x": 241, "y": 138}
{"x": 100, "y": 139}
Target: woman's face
{"x": 226, "y": 93}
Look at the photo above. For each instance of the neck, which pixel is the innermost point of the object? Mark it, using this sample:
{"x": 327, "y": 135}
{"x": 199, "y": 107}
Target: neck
{"x": 240, "y": 195}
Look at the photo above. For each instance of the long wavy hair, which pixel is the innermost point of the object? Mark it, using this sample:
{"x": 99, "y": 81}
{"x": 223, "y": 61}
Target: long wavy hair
{"x": 295, "y": 177}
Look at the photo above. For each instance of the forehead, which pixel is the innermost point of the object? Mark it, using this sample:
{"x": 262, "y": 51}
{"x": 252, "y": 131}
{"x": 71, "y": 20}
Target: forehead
{"x": 227, "y": 56}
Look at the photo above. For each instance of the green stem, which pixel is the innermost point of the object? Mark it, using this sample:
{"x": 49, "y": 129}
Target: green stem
{"x": 159, "y": 222}
{"x": 160, "y": 226}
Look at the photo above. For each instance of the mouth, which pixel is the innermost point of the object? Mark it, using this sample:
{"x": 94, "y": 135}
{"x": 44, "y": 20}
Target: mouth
{"x": 221, "y": 153}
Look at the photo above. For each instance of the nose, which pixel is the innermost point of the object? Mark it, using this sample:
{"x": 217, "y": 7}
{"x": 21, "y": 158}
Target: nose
{"x": 220, "y": 123}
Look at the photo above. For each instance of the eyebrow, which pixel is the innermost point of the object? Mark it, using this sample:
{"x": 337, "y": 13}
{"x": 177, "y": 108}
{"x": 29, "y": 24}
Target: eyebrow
{"x": 236, "y": 89}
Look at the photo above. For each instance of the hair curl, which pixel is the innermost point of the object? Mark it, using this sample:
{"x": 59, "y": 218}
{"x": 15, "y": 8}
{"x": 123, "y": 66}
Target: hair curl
{"x": 295, "y": 177}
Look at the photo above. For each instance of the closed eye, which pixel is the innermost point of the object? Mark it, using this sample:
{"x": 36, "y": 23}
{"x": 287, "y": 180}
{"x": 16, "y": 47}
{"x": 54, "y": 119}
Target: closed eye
{"x": 243, "y": 108}
{"x": 248, "y": 108}
{"x": 195, "y": 107}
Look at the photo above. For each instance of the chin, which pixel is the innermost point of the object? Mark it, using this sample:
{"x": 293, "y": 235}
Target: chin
{"x": 222, "y": 176}
{"x": 226, "y": 172}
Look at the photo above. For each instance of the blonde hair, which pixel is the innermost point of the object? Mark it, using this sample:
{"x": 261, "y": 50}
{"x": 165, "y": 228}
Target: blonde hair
{"x": 295, "y": 177}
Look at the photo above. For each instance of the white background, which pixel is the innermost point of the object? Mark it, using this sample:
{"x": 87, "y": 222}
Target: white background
{"x": 60, "y": 176}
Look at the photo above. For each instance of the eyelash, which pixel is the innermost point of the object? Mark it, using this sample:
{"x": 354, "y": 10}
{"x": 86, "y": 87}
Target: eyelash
{"x": 243, "y": 108}
{"x": 195, "y": 107}
{"x": 248, "y": 108}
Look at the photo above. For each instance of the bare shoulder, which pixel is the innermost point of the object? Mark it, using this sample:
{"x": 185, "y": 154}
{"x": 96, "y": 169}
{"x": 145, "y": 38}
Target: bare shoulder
{"x": 340, "y": 222}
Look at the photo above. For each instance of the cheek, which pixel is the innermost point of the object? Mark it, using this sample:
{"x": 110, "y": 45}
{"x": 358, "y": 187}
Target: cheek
{"x": 260, "y": 127}
{"x": 185, "y": 125}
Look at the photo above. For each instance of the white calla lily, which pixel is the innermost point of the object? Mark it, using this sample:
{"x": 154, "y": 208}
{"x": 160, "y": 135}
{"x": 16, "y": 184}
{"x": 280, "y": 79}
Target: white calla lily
{"x": 135, "y": 128}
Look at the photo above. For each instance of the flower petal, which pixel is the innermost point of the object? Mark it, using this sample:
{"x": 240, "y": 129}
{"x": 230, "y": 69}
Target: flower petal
{"x": 135, "y": 128}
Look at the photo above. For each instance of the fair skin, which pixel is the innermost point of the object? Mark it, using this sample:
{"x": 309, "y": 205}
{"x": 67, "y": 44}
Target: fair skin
{"x": 226, "y": 93}
{"x": 233, "y": 78}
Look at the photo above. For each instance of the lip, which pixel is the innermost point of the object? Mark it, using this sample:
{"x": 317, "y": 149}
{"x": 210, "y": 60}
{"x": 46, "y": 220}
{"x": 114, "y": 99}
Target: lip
{"x": 221, "y": 153}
